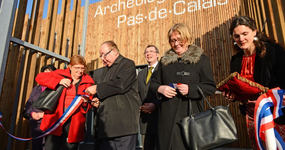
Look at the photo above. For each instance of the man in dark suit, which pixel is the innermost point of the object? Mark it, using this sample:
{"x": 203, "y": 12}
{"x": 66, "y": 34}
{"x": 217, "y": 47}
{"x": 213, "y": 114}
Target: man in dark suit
{"x": 148, "y": 114}
{"x": 116, "y": 99}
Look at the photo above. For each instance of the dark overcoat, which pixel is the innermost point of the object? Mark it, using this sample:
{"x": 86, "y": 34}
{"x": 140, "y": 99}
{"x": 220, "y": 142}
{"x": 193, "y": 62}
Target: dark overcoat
{"x": 118, "y": 112}
{"x": 148, "y": 122}
{"x": 269, "y": 71}
{"x": 192, "y": 68}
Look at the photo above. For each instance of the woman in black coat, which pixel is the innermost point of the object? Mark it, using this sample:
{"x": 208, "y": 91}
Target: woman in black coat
{"x": 182, "y": 68}
{"x": 257, "y": 59}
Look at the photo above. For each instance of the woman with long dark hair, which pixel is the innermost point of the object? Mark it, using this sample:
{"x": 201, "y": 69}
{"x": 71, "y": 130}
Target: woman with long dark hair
{"x": 260, "y": 60}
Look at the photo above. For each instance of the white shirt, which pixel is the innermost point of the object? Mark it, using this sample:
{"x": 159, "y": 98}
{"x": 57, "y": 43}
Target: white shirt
{"x": 154, "y": 65}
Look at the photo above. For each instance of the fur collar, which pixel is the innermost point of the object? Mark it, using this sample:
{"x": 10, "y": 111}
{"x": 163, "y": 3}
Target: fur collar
{"x": 192, "y": 55}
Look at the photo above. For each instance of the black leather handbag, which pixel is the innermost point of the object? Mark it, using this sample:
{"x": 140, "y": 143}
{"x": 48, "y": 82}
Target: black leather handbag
{"x": 208, "y": 129}
{"x": 48, "y": 100}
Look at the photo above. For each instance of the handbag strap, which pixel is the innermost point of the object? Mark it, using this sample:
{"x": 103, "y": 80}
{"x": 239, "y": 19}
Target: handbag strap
{"x": 190, "y": 110}
{"x": 202, "y": 93}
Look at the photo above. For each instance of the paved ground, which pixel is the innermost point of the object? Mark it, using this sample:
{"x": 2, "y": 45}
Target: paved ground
{"x": 90, "y": 147}
{"x": 231, "y": 149}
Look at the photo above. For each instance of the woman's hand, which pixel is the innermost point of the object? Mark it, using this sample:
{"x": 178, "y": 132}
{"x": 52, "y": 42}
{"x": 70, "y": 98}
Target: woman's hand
{"x": 37, "y": 115}
{"x": 183, "y": 88}
{"x": 95, "y": 102}
{"x": 91, "y": 90}
{"x": 167, "y": 91}
{"x": 229, "y": 95}
{"x": 65, "y": 82}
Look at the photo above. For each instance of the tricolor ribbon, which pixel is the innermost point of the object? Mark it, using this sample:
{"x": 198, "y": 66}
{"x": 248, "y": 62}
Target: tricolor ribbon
{"x": 76, "y": 102}
{"x": 264, "y": 119}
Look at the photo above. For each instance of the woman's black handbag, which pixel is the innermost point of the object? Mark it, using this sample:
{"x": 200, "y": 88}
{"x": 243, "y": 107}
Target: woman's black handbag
{"x": 208, "y": 129}
{"x": 48, "y": 100}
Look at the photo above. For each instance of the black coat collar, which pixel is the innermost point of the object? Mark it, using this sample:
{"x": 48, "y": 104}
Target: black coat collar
{"x": 263, "y": 73}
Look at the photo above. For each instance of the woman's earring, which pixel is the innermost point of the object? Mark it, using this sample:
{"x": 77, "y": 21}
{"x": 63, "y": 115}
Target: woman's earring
{"x": 235, "y": 43}
{"x": 255, "y": 38}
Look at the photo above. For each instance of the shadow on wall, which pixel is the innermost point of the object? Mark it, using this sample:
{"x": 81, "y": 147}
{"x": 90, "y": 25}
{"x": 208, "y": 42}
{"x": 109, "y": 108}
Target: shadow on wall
{"x": 217, "y": 44}
{"x": 94, "y": 64}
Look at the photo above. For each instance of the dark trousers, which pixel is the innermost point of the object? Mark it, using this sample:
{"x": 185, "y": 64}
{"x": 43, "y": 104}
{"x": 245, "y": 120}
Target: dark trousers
{"x": 54, "y": 142}
{"x": 148, "y": 141}
{"x": 37, "y": 144}
{"x": 118, "y": 143}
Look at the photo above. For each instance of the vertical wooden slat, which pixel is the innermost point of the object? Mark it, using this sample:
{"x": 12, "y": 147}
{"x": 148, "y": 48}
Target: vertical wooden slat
{"x": 53, "y": 21}
{"x": 46, "y": 32}
{"x": 271, "y": 20}
{"x": 60, "y": 24}
{"x": 12, "y": 73}
{"x": 76, "y": 27}
{"x": 65, "y": 13}
{"x": 255, "y": 13}
{"x": 71, "y": 28}
{"x": 20, "y": 121}
{"x": 264, "y": 18}
{"x": 251, "y": 11}
{"x": 279, "y": 21}
{"x": 259, "y": 21}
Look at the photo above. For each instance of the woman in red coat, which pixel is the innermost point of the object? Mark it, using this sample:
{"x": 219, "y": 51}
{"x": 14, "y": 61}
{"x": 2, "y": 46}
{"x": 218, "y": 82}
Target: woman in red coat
{"x": 75, "y": 81}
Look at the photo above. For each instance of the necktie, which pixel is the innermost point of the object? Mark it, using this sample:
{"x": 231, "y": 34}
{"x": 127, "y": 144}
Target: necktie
{"x": 149, "y": 74}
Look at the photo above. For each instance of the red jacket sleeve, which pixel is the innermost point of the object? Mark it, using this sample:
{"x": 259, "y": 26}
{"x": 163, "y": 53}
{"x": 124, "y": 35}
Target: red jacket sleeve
{"x": 49, "y": 79}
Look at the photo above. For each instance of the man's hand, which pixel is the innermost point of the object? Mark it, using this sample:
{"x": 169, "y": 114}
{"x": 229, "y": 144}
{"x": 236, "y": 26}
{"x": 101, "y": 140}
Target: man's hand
{"x": 147, "y": 108}
{"x": 95, "y": 102}
{"x": 91, "y": 90}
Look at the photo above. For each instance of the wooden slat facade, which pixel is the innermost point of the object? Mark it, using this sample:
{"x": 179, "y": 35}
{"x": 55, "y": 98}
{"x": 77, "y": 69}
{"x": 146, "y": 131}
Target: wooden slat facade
{"x": 40, "y": 32}
{"x": 146, "y": 22}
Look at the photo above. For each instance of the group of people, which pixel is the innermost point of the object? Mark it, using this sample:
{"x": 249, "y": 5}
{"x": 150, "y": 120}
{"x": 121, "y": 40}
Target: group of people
{"x": 158, "y": 97}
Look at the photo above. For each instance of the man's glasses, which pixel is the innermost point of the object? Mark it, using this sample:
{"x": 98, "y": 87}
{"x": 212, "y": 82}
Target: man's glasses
{"x": 105, "y": 54}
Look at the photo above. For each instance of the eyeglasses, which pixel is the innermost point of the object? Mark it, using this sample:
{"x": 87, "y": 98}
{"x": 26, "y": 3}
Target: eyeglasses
{"x": 79, "y": 68}
{"x": 149, "y": 52}
{"x": 173, "y": 41}
{"x": 105, "y": 54}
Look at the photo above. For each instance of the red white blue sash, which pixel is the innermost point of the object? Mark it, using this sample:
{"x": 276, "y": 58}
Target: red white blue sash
{"x": 264, "y": 119}
{"x": 76, "y": 102}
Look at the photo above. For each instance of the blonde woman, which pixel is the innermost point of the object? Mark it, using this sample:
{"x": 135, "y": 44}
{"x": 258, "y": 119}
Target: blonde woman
{"x": 186, "y": 66}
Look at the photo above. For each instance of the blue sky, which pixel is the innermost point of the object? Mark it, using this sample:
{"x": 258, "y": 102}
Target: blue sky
{"x": 30, "y": 4}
